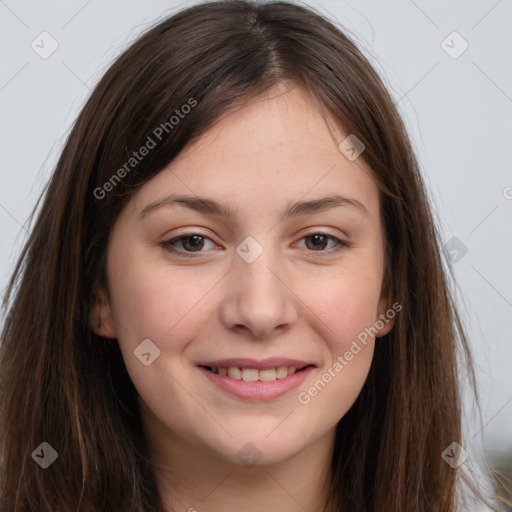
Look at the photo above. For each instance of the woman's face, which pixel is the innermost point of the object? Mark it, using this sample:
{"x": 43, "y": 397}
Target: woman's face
{"x": 264, "y": 288}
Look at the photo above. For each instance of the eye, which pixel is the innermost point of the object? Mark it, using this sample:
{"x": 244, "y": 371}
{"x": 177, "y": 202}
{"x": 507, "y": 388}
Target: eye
{"x": 190, "y": 244}
{"x": 319, "y": 240}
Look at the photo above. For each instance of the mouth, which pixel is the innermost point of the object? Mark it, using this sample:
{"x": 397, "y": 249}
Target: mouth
{"x": 254, "y": 380}
{"x": 253, "y": 374}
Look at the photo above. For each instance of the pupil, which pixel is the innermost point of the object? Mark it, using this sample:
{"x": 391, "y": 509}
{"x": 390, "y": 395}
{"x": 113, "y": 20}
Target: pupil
{"x": 318, "y": 238}
{"x": 196, "y": 240}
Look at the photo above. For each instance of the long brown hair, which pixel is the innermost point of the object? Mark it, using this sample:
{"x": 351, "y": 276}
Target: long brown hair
{"x": 66, "y": 386}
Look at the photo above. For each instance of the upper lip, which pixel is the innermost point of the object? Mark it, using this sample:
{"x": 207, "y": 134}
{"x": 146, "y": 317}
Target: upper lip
{"x": 262, "y": 364}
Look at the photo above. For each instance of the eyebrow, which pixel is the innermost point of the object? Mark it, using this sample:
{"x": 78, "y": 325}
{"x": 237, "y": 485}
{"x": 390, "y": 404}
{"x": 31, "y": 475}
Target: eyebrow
{"x": 211, "y": 207}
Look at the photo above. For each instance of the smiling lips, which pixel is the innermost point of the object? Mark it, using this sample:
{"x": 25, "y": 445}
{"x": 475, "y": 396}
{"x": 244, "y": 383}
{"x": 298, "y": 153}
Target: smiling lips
{"x": 251, "y": 370}
{"x": 253, "y": 374}
{"x": 249, "y": 378}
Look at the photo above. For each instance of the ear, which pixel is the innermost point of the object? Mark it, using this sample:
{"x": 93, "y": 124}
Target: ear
{"x": 386, "y": 309}
{"x": 385, "y": 316}
{"x": 100, "y": 314}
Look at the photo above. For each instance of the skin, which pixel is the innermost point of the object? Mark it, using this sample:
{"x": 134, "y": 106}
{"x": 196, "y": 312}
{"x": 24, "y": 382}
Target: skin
{"x": 294, "y": 300}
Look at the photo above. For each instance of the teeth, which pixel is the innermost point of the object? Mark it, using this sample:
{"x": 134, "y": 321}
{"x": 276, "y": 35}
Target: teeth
{"x": 267, "y": 375}
{"x": 249, "y": 375}
{"x": 282, "y": 372}
{"x": 234, "y": 373}
{"x": 253, "y": 375}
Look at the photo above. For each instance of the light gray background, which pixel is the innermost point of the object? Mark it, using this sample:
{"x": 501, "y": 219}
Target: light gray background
{"x": 458, "y": 111}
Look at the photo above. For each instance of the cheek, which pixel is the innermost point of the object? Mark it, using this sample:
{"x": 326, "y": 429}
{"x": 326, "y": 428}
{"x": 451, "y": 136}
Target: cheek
{"x": 345, "y": 309}
{"x": 347, "y": 305}
{"x": 347, "y": 313}
{"x": 151, "y": 300}
{"x": 150, "y": 303}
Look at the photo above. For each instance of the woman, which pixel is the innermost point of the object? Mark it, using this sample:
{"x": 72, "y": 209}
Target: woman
{"x": 180, "y": 338}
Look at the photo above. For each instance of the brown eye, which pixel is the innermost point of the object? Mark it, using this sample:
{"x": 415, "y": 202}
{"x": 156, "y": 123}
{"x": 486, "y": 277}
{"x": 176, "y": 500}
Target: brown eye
{"x": 187, "y": 244}
{"x": 193, "y": 243}
{"x": 318, "y": 242}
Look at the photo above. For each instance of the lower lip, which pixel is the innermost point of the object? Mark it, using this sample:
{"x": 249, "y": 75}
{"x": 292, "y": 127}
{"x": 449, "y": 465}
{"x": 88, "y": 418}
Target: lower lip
{"x": 258, "y": 390}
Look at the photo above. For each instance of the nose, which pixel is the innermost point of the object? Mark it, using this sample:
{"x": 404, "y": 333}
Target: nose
{"x": 258, "y": 297}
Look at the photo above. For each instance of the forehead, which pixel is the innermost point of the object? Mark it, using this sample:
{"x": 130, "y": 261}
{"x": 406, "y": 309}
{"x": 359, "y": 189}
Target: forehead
{"x": 275, "y": 149}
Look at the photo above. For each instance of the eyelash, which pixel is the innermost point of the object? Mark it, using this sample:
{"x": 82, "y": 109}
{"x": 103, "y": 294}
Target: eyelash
{"x": 168, "y": 244}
